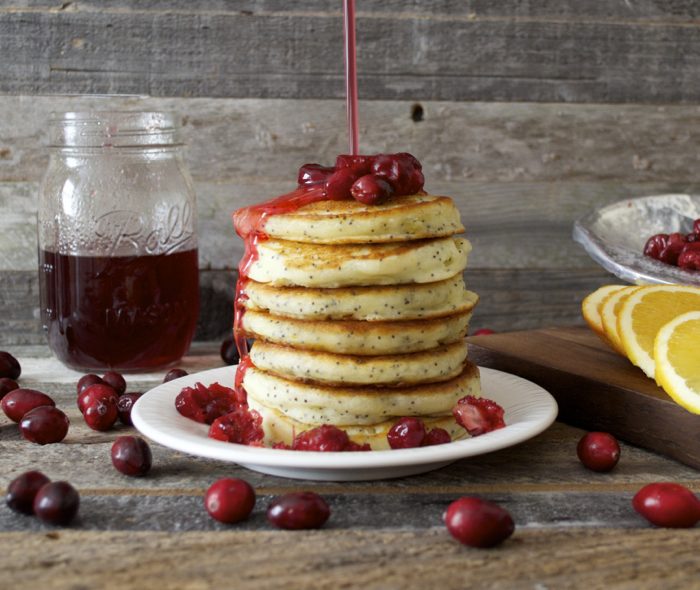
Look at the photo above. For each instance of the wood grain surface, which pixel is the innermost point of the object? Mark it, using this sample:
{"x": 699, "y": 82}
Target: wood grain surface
{"x": 610, "y": 52}
{"x": 574, "y": 528}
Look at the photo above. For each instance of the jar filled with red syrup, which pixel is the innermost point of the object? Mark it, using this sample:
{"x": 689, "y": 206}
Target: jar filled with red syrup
{"x": 117, "y": 236}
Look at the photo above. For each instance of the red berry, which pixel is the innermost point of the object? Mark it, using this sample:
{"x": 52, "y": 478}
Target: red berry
{"x": 478, "y": 523}
{"x": 131, "y": 456}
{"x": 667, "y": 505}
{"x": 478, "y": 415}
{"x": 229, "y": 352}
{"x": 173, "y": 374}
{"x": 298, "y": 510}
{"x": 339, "y": 183}
{"x": 696, "y": 227}
{"x": 100, "y": 414}
{"x": 401, "y": 170}
{"x": 673, "y": 249}
{"x": 229, "y": 500}
{"x": 437, "y": 436}
{"x": 483, "y": 332}
{"x": 56, "y": 503}
{"x": 86, "y": 381}
{"x": 598, "y": 451}
{"x": 44, "y": 425}
{"x": 689, "y": 258}
{"x": 655, "y": 245}
{"x": 206, "y": 404}
{"x": 20, "y": 401}
{"x": 241, "y": 426}
{"x": 360, "y": 165}
{"x": 407, "y": 433}
{"x": 313, "y": 174}
{"x": 371, "y": 190}
{"x": 324, "y": 438}
{"x": 125, "y": 404}
{"x": 23, "y": 489}
{"x": 9, "y": 366}
{"x": 116, "y": 381}
{"x": 97, "y": 392}
{"x": 7, "y": 385}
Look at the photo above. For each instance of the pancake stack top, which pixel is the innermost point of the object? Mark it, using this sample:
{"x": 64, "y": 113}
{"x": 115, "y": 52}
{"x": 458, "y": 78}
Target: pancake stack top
{"x": 359, "y": 314}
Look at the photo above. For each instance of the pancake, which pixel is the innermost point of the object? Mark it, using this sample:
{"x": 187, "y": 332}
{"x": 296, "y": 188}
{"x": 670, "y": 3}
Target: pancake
{"x": 355, "y": 406}
{"x": 284, "y": 263}
{"x": 281, "y": 428}
{"x": 431, "y": 366}
{"x": 351, "y": 222}
{"x": 402, "y": 302}
{"x": 357, "y": 337}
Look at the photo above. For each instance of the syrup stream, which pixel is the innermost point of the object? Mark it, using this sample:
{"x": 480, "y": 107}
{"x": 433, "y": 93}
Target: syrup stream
{"x": 351, "y": 77}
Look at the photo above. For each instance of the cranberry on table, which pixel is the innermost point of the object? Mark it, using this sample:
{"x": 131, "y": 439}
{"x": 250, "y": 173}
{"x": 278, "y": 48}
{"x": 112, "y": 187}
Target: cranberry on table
{"x": 100, "y": 414}
{"x": 668, "y": 505}
{"x": 298, "y": 510}
{"x": 598, "y": 451}
{"x": 173, "y": 374}
{"x": 478, "y": 523}
{"x": 125, "y": 404}
{"x": 116, "y": 381}
{"x": 229, "y": 353}
{"x": 407, "y": 433}
{"x": 131, "y": 456}
{"x": 7, "y": 385}
{"x": 229, "y": 500}
{"x": 97, "y": 392}
{"x": 437, "y": 436}
{"x": 23, "y": 489}
{"x": 20, "y": 401}
{"x": 44, "y": 425}
{"x": 9, "y": 366}
{"x": 57, "y": 503}
{"x": 86, "y": 381}
{"x": 371, "y": 190}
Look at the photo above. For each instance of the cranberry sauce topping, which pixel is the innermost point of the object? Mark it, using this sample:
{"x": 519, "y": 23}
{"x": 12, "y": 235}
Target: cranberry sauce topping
{"x": 206, "y": 404}
{"x": 326, "y": 438}
{"x": 478, "y": 415}
{"x": 407, "y": 433}
{"x": 242, "y": 426}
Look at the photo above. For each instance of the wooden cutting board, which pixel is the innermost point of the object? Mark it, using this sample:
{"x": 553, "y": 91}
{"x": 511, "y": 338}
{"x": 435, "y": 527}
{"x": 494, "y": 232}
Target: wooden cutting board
{"x": 596, "y": 389}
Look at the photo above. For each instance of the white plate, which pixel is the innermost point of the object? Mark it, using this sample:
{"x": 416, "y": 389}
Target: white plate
{"x": 529, "y": 410}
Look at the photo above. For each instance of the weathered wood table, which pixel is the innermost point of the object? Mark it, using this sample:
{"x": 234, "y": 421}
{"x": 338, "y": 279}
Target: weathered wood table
{"x": 575, "y": 528}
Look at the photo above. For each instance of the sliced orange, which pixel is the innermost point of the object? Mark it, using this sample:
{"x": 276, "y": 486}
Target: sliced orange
{"x": 591, "y": 307}
{"x": 608, "y": 315}
{"x": 643, "y": 314}
{"x": 677, "y": 359}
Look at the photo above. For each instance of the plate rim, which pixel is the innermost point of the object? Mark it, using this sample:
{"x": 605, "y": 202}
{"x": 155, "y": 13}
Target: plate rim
{"x": 243, "y": 455}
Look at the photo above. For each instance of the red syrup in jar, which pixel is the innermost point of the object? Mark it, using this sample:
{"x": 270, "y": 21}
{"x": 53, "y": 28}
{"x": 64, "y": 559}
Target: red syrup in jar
{"x": 122, "y": 312}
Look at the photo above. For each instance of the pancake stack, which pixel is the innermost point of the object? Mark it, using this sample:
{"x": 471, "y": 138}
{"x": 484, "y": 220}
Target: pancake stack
{"x": 359, "y": 314}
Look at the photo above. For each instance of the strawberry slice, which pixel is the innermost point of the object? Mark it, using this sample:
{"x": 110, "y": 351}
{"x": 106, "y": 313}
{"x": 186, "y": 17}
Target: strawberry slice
{"x": 478, "y": 415}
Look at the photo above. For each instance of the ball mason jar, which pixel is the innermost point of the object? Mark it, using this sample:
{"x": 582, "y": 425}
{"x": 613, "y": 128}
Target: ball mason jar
{"x": 117, "y": 220}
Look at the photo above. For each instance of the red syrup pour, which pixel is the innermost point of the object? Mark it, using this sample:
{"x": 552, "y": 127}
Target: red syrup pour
{"x": 250, "y": 225}
{"x": 351, "y": 77}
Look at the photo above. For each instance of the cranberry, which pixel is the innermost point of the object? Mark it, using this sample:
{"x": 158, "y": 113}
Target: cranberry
{"x": 655, "y": 245}
{"x": 598, "y": 451}
{"x": 23, "y": 489}
{"x": 313, "y": 174}
{"x": 402, "y": 171}
{"x": 483, "y": 332}
{"x": 667, "y": 505}
{"x": 478, "y": 523}
{"x": 696, "y": 226}
{"x": 371, "y": 190}
{"x": 125, "y": 404}
{"x": 298, "y": 510}
{"x": 689, "y": 258}
{"x": 100, "y": 414}
{"x": 7, "y": 385}
{"x": 131, "y": 456}
{"x": 56, "y": 503}
{"x": 206, "y": 404}
{"x": 20, "y": 401}
{"x": 99, "y": 391}
{"x": 229, "y": 500}
{"x": 116, "y": 381}
{"x": 173, "y": 374}
{"x": 478, "y": 415}
{"x": 44, "y": 425}
{"x": 9, "y": 366}
{"x": 229, "y": 353}
{"x": 241, "y": 426}
{"x": 339, "y": 184}
{"x": 407, "y": 433}
{"x": 324, "y": 438}
{"x": 437, "y": 436}
{"x": 360, "y": 165}
{"x": 673, "y": 249}
{"x": 691, "y": 238}
{"x": 86, "y": 381}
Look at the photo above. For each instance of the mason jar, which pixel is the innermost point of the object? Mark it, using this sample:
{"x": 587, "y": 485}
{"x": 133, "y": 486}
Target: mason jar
{"x": 117, "y": 238}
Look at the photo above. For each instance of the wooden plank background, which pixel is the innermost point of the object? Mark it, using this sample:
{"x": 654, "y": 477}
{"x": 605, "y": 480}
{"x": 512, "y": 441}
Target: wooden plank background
{"x": 531, "y": 114}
